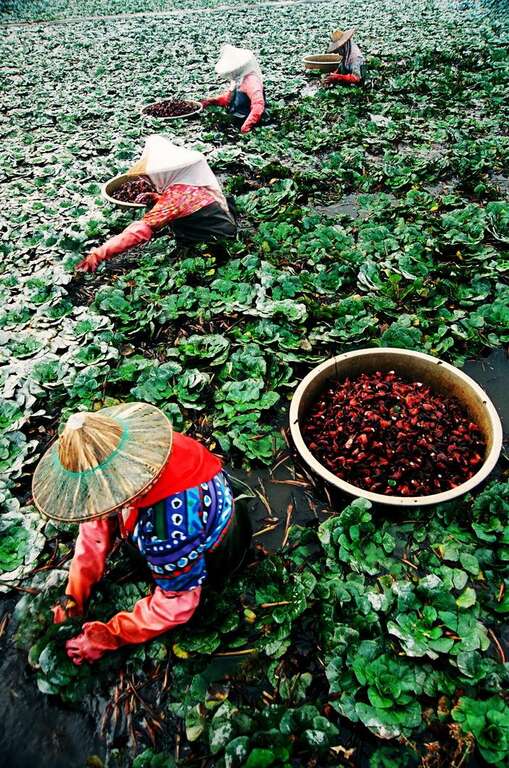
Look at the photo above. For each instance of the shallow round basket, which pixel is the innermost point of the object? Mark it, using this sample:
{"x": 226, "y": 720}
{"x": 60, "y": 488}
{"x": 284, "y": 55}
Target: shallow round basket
{"x": 110, "y": 186}
{"x": 416, "y": 366}
{"x": 197, "y": 107}
{"x": 323, "y": 62}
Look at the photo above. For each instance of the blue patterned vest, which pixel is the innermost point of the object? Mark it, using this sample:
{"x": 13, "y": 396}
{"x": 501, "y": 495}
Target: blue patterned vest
{"x": 174, "y": 534}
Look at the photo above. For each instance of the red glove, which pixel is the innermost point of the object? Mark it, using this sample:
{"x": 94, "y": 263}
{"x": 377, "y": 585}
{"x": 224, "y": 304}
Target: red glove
{"x": 136, "y": 233}
{"x": 337, "y": 78}
{"x": 150, "y": 617}
{"x": 218, "y": 101}
{"x": 65, "y": 608}
{"x": 252, "y": 86}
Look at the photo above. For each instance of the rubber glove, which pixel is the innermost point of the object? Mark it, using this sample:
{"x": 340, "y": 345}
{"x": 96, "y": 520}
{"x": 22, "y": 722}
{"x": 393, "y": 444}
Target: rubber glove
{"x": 337, "y": 78}
{"x": 64, "y": 609}
{"x": 149, "y": 618}
{"x": 136, "y": 233}
{"x": 218, "y": 101}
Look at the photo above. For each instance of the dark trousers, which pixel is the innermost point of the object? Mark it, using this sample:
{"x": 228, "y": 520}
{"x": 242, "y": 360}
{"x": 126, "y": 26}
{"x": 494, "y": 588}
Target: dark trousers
{"x": 204, "y": 226}
{"x": 229, "y": 556}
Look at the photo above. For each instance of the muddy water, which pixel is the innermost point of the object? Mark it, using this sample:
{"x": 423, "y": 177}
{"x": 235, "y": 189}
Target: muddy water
{"x": 36, "y": 730}
{"x": 349, "y": 205}
{"x": 492, "y": 373}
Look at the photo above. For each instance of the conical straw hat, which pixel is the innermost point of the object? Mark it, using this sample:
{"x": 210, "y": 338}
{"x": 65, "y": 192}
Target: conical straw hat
{"x": 166, "y": 163}
{"x": 101, "y": 461}
{"x": 161, "y": 154}
{"x": 339, "y": 38}
{"x": 235, "y": 63}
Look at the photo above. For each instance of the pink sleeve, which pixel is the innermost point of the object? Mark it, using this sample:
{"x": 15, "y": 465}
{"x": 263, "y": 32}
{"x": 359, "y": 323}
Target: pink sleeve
{"x": 177, "y": 201}
{"x": 150, "y": 617}
{"x": 93, "y": 545}
{"x": 218, "y": 101}
{"x": 136, "y": 233}
{"x": 253, "y": 88}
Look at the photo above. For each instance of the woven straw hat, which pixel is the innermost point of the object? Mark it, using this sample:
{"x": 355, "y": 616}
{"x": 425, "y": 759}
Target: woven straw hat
{"x": 101, "y": 461}
{"x": 339, "y": 38}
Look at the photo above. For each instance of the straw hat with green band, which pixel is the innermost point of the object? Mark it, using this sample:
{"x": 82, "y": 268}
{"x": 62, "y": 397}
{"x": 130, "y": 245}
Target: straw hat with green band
{"x": 102, "y": 461}
{"x": 339, "y": 38}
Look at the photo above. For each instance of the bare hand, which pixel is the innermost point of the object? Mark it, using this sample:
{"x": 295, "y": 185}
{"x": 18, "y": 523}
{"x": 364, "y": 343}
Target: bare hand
{"x": 147, "y": 198}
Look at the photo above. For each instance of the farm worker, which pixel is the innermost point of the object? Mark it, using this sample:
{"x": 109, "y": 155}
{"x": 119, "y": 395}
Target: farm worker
{"x": 124, "y": 470}
{"x": 187, "y": 196}
{"x": 245, "y": 99}
{"x": 351, "y": 67}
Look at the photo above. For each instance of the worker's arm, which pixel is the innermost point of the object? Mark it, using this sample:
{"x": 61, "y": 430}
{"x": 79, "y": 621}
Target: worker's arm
{"x": 253, "y": 88}
{"x": 150, "y": 617}
{"x": 337, "y": 78}
{"x": 93, "y": 545}
{"x": 136, "y": 233}
{"x": 218, "y": 101}
{"x": 178, "y": 201}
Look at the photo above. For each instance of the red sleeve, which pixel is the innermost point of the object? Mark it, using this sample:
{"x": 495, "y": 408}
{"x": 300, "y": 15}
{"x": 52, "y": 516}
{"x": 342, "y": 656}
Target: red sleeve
{"x": 253, "y": 88}
{"x": 177, "y": 201}
{"x": 136, "y": 233}
{"x": 336, "y": 78}
{"x": 93, "y": 545}
{"x": 218, "y": 101}
{"x": 150, "y": 617}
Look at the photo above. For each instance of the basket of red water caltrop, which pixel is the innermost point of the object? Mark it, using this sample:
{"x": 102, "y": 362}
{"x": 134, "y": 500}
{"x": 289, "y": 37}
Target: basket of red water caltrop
{"x": 123, "y": 190}
{"x": 396, "y": 427}
{"x": 172, "y": 109}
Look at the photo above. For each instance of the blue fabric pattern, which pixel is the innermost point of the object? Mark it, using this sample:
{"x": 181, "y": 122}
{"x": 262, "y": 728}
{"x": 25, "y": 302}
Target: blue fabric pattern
{"x": 240, "y": 104}
{"x": 174, "y": 534}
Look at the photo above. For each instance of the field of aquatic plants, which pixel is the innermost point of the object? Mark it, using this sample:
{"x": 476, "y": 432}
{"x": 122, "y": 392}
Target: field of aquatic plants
{"x": 376, "y": 216}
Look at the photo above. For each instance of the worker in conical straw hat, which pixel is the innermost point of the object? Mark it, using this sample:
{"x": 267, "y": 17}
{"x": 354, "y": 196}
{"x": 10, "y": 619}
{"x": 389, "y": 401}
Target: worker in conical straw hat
{"x": 124, "y": 470}
{"x": 245, "y": 98}
{"x": 351, "y": 66}
{"x": 187, "y": 196}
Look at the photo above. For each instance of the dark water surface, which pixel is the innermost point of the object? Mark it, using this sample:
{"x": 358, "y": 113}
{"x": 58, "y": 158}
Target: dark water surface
{"x": 36, "y": 731}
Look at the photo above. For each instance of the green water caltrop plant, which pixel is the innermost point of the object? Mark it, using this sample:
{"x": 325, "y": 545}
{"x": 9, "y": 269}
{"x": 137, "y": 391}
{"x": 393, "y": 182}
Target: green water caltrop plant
{"x": 488, "y": 721}
{"x": 388, "y": 659}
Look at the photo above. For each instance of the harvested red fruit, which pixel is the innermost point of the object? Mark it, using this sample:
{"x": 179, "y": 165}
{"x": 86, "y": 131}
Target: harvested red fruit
{"x": 389, "y": 435}
{"x": 132, "y": 191}
{"x": 170, "y": 108}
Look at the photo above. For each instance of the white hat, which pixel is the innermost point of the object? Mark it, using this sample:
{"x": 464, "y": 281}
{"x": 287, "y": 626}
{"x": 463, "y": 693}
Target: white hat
{"x": 167, "y": 163}
{"x": 235, "y": 63}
